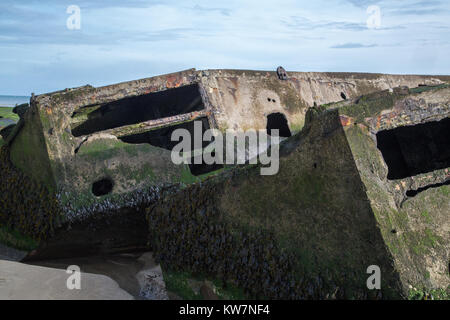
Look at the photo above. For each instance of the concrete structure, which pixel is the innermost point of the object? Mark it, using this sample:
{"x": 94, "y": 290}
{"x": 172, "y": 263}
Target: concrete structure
{"x": 366, "y": 182}
{"x": 87, "y": 143}
{"x": 363, "y": 175}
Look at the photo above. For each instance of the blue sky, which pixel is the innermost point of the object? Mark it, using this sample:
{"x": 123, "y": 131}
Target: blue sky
{"x": 125, "y": 40}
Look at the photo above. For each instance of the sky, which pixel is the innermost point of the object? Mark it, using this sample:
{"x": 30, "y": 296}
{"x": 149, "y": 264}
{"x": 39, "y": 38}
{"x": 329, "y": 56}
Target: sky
{"x": 122, "y": 40}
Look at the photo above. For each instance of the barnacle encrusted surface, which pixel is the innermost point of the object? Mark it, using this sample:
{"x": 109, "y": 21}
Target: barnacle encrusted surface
{"x": 26, "y": 205}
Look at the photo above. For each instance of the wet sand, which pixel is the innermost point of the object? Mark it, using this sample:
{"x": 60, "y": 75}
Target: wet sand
{"x": 123, "y": 268}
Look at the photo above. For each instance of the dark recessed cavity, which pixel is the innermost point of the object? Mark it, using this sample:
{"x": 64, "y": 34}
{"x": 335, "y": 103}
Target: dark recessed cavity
{"x": 162, "y": 138}
{"x": 413, "y": 150}
{"x": 343, "y": 96}
{"x": 413, "y": 193}
{"x": 137, "y": 109}
{"x": 278, "y": 121}
{"x": 102, "y": 187}
{"x": 202, "y": 168}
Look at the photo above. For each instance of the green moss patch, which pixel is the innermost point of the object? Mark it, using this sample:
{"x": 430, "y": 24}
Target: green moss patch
{"x": 369, "y": 105}
{"x": 15, "y": 239}
{"x": 184, "y": 284}
{"x": 7, "y": 113}
{"x": 424, "y": 294}
{"x": 428, "y": 88}
{"x": 28, "y": 151}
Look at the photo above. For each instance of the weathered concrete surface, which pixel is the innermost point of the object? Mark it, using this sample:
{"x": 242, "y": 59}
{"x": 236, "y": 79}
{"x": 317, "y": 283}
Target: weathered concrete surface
{"x": 47, "y": 150}
{"x": 415, "y": 228}
{"x": 54, "y": 169}
{"x": 240, "y": 98}
{"x": 24, "y": 282}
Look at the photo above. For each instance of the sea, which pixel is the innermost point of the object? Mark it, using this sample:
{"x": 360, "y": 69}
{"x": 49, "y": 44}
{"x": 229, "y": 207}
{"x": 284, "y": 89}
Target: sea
{"x": 11, "y": 101}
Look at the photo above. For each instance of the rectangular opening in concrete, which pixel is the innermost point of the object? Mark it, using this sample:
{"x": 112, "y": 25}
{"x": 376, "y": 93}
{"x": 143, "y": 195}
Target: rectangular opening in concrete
{"x": 133, "y": 110}
{"x": 412, "y": 150}
{"x": 162, "y": 138}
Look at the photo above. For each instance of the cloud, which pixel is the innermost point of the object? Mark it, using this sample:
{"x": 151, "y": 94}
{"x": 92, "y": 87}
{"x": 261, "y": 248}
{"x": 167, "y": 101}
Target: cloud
{"x": 302, "y": 23}
{"x": 87, "y": 3}
{"x": 363, "y": 3}
{"x": 431, "y": 7}
{"x": 424, "y": 4}
{"x": 352, "y": 45}
{"x": 33, "y": 24}
{"x": 223, "y": 11}
{"x": 418, "y": 12}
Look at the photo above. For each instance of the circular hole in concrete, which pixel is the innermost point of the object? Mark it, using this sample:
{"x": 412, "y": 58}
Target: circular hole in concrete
{"x": 102, "y": 187}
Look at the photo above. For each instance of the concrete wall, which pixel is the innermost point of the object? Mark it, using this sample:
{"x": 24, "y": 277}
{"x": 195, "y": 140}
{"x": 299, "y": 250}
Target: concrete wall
{"x": 233, "y": 99}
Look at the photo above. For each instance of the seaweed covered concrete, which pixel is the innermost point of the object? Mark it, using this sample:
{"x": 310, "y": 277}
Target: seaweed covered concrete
{"x": 87, "y": 166}
{"x": 71, "y": 139}
{"x": 312, "y": 230}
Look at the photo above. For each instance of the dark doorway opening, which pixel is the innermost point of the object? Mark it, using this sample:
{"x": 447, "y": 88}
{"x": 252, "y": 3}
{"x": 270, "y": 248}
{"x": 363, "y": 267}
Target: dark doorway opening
{"x": 102, "y": 187}
{"x": 137, "y": 109}
{"x": 412, "y": 150}
{"x": 278, "y": 121}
